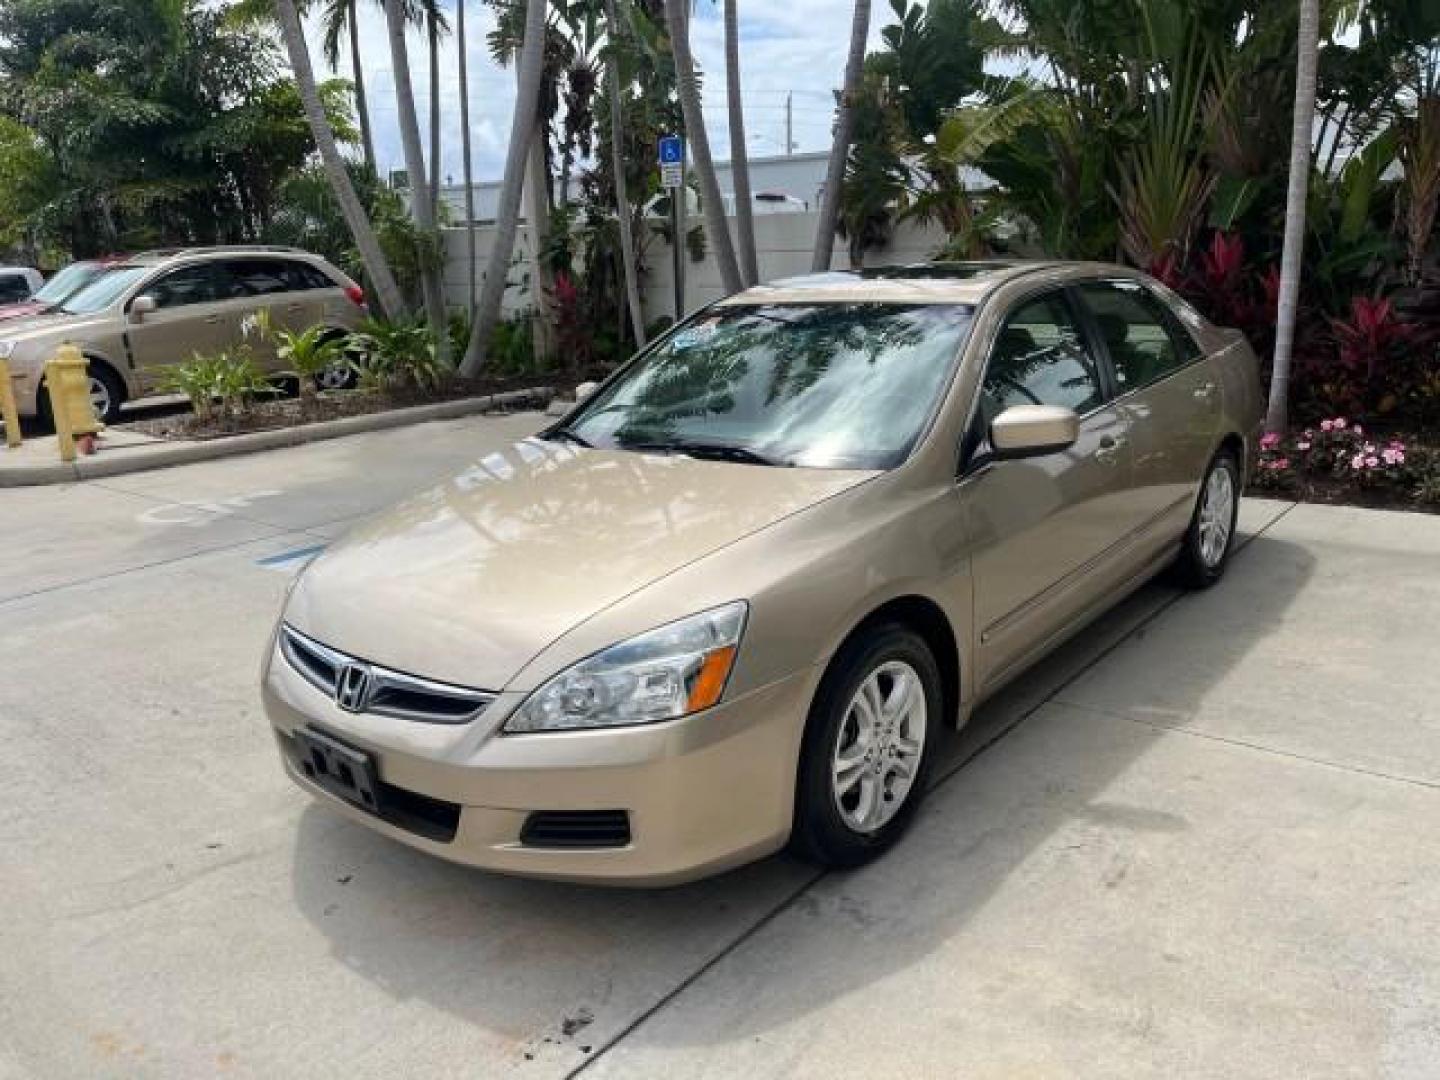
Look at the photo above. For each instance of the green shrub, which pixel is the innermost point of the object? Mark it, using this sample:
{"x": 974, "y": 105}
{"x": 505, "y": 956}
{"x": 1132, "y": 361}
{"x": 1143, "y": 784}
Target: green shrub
{"x": 232, "y": 380}
{"x": 308, "y": 354}
{"x": 390, "y": 354}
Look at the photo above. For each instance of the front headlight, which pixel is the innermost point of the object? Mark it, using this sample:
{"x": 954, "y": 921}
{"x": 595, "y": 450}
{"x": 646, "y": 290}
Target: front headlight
{"x": 673, "y": 671}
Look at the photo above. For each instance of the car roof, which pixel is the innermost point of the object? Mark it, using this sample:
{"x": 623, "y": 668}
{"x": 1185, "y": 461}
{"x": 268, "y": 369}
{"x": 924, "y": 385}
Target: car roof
{"x": 157, "y": 256}
{"x": 922, "y": 283}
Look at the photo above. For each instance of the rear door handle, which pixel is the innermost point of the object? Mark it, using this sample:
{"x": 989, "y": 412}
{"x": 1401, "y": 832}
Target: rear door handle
{"x": 1109, "y": 451}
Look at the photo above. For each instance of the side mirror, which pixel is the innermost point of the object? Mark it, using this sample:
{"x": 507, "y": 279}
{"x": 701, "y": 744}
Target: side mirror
{"x": 1031, "y": 430}
{"x": 141, "y": 306}
{"x": 584, "y": 390}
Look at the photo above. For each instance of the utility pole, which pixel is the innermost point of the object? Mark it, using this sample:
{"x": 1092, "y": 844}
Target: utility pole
{"x": 789, "y": 127}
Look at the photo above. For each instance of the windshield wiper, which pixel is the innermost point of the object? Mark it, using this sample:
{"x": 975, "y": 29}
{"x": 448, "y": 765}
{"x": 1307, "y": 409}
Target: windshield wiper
{"x": 569, "y": 435}
{"x": 712, "y": 451}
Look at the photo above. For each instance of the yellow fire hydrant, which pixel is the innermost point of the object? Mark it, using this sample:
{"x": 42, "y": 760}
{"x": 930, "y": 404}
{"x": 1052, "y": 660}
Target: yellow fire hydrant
{"x": 8, "y": 412}
{"x": 67, "y": 381}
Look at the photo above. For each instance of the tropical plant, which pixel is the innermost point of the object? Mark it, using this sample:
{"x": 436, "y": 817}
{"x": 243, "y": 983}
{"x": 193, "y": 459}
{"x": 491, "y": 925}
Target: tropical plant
{"x": 308, "y": 354}
{"x": 530, "y": 71}
{"x": 677, "y": 21}
{"x": 397, "y": 16}
{"x": 739, "y": 154}
{"x": 387, "y": 292}
{"x": 386, "y": 355}
{"x": 625, "y": 229}
{"x": 840, "y": 146}
{"x": 340, "y": 19}
{"x": 1277, "y": 416}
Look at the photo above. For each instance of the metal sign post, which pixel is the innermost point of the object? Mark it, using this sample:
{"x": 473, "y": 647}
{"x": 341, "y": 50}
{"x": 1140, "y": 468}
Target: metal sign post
{"x": 672, "y": 178}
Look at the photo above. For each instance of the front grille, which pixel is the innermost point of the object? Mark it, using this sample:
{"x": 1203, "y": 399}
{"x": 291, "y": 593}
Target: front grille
{"x": 576, "y": 829}
{"x": 391, "y": 693}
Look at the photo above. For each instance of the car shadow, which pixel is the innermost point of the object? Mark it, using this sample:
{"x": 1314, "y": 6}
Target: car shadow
{"x": 556, "y": 970}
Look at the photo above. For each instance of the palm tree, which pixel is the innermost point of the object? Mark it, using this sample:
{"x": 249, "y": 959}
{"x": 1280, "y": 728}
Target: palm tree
{"x": 522, "y": 130}
{"x": 739, "y": 156}
{"x": 340, "y": 19}
{"x": 689, "y": 91}
{"x": 377, "y": 268}
{"x": 433, "y": 26}
{"x": 617, "y": 165}
{"x": 1277, "y": 416}
{"x": 465, "y": 156}
{"x": 421, "y": 206}
{"x": 840, "y": 148}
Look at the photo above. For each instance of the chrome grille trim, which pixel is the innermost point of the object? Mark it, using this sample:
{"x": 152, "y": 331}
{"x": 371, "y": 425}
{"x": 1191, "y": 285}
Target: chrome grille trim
{"x": 392, "y": 693}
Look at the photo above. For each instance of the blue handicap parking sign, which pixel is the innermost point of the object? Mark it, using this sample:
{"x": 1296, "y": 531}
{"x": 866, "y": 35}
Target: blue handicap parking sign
{"x": 672, "y": 149}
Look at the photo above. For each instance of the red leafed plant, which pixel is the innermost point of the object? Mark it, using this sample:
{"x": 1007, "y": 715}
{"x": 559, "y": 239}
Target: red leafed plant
{"x": 1373, "y": 360}
{"x": 573, "y": 339}
{"x": 1226, "y": 289}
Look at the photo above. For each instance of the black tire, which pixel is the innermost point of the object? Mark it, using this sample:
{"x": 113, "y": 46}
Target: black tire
{"x": 101, "y": 373}
{"x": 1193, "y": 569}
{"x": 820, "y": 833}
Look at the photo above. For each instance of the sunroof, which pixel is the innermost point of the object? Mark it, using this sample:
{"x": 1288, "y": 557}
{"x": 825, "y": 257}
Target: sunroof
{"x": 936, "y": 271}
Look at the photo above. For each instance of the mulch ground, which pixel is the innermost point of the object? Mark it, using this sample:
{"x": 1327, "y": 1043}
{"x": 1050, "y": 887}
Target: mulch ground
{"x": 289, "y": 411}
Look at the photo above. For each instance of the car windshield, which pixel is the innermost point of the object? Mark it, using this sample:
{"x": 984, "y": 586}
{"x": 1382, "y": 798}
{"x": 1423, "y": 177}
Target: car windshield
{"x": 67, "y": 281}
{"x": 823, "y": 385}
{"x": 104, "y": 290}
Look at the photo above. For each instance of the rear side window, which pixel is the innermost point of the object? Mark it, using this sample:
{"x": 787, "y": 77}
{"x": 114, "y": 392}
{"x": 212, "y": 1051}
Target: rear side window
{"x": 260, "y": 277}
{"x": 13, "y": 287}
{"x": 306, "y": 276}
{"x": 1040, "y": 358}
{"x": 1144, "y": 341}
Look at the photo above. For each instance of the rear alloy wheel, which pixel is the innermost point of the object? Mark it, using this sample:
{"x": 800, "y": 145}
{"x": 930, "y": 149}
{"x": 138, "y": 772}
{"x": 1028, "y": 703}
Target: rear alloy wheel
{"x": 106, "y": 393}
{"x": 1206, "y": 548}
{"x": 337, "y": 376}
{"x": 868, "y": 747}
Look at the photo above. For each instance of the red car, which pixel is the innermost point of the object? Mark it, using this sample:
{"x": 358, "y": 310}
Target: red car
{"x": 59, "y": 288}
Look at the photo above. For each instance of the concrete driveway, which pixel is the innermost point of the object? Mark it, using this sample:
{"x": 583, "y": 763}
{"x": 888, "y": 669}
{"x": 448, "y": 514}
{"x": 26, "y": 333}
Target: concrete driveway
{"x": 1199, "y": 841}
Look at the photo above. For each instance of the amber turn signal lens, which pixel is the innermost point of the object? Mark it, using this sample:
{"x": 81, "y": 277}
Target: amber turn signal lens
{"x": 710, "y": 682}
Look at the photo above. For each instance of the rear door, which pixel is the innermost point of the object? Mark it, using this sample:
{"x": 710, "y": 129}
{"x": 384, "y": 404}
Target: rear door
{"x": 278, "y": 287}
{"x": 1040, "y": 527}
{"x": 1169, "y": 394}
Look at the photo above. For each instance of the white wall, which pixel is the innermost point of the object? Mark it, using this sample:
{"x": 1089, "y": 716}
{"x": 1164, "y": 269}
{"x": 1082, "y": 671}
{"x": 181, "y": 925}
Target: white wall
{"x": 783, "y": 244}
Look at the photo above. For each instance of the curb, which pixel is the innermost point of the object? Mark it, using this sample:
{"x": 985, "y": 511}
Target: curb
{"x": 234, "y": 445}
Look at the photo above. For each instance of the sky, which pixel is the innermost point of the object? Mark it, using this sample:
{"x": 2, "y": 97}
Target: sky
{"x": 794, "y": 46}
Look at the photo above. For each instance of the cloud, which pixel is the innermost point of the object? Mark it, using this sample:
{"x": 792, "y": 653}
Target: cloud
{"x": 796, "y": 47}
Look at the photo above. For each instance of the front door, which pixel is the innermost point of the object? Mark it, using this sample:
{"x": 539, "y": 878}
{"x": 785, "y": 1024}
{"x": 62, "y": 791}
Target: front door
{"x": 1041, "y": 526}
{"x": 188, "y": 319}
{"x": 280, "y": 288}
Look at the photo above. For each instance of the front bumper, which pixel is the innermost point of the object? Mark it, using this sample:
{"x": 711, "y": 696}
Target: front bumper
{"x": 702, "y": 794}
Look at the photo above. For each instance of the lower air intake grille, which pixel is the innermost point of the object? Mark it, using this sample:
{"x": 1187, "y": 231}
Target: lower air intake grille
{"x": 576, "y": 829}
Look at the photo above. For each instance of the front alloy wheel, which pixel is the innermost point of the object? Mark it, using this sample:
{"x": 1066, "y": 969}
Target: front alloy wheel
{"x": 868, "y": 745}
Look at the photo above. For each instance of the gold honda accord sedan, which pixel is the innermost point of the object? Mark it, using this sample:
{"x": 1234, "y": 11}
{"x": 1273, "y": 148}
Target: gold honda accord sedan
{"x": 731, "y": 600}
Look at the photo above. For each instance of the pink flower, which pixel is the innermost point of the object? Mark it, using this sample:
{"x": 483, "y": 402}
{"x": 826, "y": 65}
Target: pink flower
{"x": 1303, "y": 444}
{"x": 1326, "y": 425}
{"x": 1282, "y": 463}
{"x": 1372, "y": 462}
{"x": 1338, "y": 423}
{"x": 1269, "y": 441}
{"x": 1358, "y": 461}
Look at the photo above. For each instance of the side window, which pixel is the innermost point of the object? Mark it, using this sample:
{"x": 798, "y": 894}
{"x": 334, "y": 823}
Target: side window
{"x": 13, "y": 287}
{"x": 261, "y": 277}
{"x": 1145, "y": 343}
{"x": 198, "y": 284}
{"x": 1040, "y": 358}
{"x": 306, "y": 276}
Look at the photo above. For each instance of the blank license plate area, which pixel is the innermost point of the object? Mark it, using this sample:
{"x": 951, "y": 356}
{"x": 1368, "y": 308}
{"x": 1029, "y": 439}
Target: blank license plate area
{"x": 339, "y": 769}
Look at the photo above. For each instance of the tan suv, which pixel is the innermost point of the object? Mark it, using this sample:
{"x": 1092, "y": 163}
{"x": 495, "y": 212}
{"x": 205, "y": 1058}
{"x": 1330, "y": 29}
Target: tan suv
{"x": 732, "y": 599}
{"x": 149, "y": 312}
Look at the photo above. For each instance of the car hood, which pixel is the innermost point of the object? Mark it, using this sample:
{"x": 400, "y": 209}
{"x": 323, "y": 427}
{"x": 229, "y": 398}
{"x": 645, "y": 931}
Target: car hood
{"x": 470, "y": 580}
{"x": 46, "y": 323}
{"x": 23, "y": 309}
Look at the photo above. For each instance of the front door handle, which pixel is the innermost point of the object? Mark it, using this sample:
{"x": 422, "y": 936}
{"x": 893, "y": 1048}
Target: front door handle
{"x": 212, "y": 319}
{"x": 1109, "y": 451}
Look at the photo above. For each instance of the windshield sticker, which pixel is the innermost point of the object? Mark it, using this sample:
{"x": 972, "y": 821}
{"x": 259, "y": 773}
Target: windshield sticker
{"x": 695, "y": 335}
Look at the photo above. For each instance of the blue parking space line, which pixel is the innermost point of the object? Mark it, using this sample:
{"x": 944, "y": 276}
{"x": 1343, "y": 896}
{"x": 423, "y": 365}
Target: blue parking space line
{"x": 290, "y": 556}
